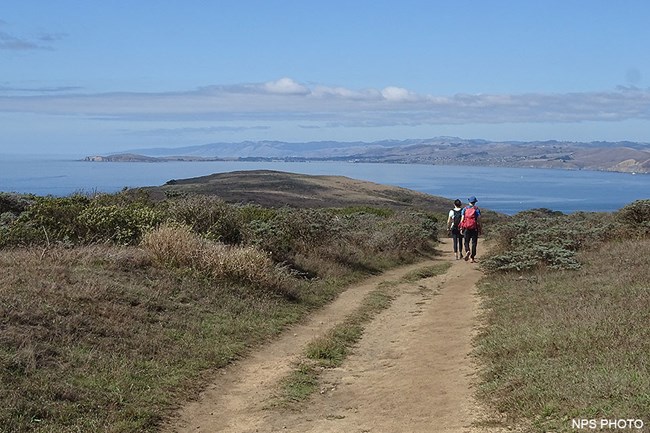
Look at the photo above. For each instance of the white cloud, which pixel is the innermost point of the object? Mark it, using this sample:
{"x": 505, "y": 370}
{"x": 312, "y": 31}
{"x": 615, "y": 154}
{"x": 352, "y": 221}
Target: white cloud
{"x": 345, "y": 93}
{"x": 286, "y": 100}
{"x": 285, "y": 86}
{"x": 398, "y": 94}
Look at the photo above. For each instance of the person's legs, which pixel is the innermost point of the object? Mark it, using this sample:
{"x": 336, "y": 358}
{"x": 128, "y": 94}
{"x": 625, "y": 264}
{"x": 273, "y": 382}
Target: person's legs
{"x": 458, "y": 243}
{"x": 474, "y": 236}
{"x": 466, "y": 237}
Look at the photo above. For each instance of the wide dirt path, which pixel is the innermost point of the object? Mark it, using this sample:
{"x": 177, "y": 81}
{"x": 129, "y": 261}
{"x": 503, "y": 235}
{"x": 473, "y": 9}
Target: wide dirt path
{"x": 411, "y": 371}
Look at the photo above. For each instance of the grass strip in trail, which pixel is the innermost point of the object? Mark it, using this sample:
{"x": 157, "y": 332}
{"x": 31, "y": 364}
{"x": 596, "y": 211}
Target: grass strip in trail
{"x": 560, "y": 346}
{"x": 332, "y": 348}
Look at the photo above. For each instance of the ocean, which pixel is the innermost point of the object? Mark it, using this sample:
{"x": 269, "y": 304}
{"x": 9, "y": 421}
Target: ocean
{"x": 507, "y": 190}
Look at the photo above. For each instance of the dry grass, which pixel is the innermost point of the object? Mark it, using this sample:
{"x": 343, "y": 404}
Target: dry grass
{"x": 178, "y": 247}
{"x": 571, "y": 344}
{"x": 111, "y": 338}
{"x": 97, "y": 339}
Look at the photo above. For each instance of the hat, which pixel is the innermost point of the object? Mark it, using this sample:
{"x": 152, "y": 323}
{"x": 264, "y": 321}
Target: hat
{"x": 472, "y": 199}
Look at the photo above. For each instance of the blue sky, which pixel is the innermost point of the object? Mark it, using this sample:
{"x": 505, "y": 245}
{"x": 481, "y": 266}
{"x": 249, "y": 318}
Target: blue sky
{"x": 85, "y": 77}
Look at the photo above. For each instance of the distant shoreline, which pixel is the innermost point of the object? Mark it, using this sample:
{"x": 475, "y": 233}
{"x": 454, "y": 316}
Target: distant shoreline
{"x": 136, "y": 158}
{"x": 620, "y": 157}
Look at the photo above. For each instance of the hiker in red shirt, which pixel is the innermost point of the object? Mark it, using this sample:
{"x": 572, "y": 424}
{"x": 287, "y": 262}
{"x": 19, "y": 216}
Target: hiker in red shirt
{"x": 470, "y": 223}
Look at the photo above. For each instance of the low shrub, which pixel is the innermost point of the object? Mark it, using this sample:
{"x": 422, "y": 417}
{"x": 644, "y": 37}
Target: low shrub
{"x": 14, "y": 203}
{"x": 634, "y": 219}
{"x": 118, "y": 224}
{"x": 79, "y": 219}
{"x": 312, "y": 242}
{"x": 207, "y": 215}
{"x": 55, "y": 218}
{"x": 542, "y": 238}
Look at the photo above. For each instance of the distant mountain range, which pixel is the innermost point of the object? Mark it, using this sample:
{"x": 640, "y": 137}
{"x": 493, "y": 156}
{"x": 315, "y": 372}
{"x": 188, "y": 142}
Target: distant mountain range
{"x": 625, "y": 156}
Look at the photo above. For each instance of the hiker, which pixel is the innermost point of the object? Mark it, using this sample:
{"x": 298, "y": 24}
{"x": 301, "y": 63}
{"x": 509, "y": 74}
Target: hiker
{"x": 453, "y": 226}
{"x": 470, "y": 224}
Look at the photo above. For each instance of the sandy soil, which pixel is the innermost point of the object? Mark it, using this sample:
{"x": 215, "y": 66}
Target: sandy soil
{"x": 411, "y": 372}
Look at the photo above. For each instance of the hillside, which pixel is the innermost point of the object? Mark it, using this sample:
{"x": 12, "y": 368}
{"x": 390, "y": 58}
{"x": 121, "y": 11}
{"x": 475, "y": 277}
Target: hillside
{"x": 630, "y": 157}
{"x": 276, "y": 189}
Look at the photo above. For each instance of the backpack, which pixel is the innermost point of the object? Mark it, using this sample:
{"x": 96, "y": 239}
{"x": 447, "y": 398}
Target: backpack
{"x": 458, "y": 214}
{"x": 470, "y": 222}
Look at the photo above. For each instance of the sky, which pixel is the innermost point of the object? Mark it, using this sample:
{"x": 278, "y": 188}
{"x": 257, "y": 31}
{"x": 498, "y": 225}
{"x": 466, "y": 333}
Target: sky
{"x": 90, "y": 77}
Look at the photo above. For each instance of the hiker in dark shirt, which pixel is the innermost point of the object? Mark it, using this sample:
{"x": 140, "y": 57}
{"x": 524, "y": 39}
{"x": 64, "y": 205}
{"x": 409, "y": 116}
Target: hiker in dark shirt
{"x": 453, "y": 226}
{"x": 470, "y": 223}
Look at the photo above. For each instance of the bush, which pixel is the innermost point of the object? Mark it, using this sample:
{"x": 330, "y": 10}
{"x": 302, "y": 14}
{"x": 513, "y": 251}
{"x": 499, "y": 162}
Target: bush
{"x": 55, "y": 218}
{"x": 14, "y": 203}
{"x": 209, "y": 216}
{"x": 292, "y": 231}
{"x": 542, "y": 238}
{"x": 78, "y": 219}
{"x": 635, "y": 219}
{"x": 313, "y": 242}
{"x": 123, "y": 225}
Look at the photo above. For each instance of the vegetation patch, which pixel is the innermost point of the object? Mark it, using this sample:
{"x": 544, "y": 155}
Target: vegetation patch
{"x": 114, "y": 307}
{"x": 427, "y": 272}
{"x": 541, "y": 238}
{"x": 561, "y": 344}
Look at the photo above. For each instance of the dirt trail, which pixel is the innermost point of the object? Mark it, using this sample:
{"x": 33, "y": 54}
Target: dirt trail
{"x": 410, "y": 372}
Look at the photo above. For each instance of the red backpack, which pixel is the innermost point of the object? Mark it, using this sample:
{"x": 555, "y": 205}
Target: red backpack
{"x": 469, "y": 222}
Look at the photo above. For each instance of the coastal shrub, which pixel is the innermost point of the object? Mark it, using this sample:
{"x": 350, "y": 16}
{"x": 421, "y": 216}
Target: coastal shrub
{"x": 634, "y": 219}
{"x": 14, "y": 203}
{"x": 253, "y": 212}
{"x": 404, "y": 233}
{"x": 79, "y": 219}
{"x": 123, "y": 225}
{"x": 54, "y": 218}
{"x": 543, "y": 238}
{"x": 290, "y": 231}
{"x": 371, "y": 241}
{"x": 318, "y": 241}
{"x": 208, "y": 215}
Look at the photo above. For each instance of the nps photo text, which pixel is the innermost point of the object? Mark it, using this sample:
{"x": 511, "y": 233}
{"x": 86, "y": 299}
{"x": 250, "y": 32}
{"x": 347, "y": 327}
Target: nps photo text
{"x": 610, "y": 424}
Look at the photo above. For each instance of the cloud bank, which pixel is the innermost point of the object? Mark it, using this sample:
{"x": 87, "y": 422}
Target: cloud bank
{"x": 287, "y": 100}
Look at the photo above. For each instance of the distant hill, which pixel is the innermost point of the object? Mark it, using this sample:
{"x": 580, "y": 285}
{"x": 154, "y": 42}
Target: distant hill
{"x": 603, "y": 156}
{"x": 134, "y": 157}
{"x": 277, "y": 189}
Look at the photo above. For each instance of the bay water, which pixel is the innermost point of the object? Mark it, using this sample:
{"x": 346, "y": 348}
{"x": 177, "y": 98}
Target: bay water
{"x": 507, "y": 190}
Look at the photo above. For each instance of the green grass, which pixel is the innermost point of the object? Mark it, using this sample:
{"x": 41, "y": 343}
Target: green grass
{"x": 562, "y": 345}
{"x": 427, "y": 271}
